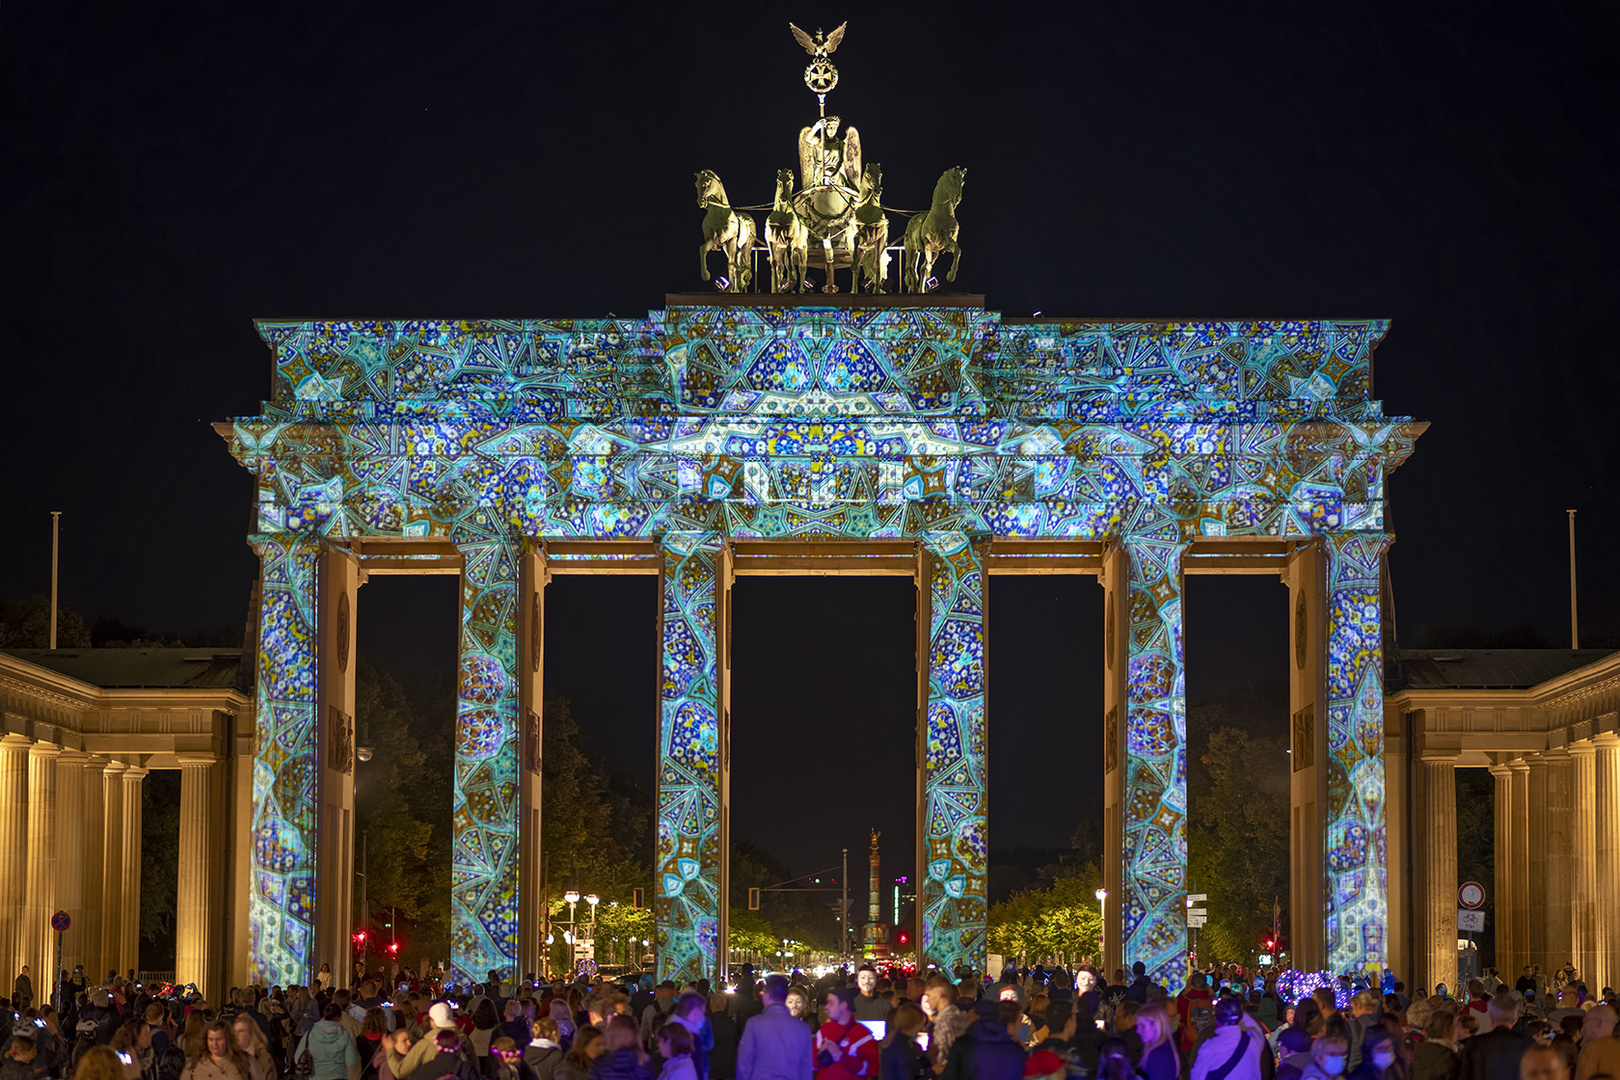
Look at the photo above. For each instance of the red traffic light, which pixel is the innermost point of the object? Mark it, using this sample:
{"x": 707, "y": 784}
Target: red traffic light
{"x": 393, "y": 948}
{"x": 1270, "y": 944}
{"x": 904, "y": 937}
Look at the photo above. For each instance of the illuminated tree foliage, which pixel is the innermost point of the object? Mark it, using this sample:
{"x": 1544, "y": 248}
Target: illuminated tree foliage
{"x": 1059, "y": 922}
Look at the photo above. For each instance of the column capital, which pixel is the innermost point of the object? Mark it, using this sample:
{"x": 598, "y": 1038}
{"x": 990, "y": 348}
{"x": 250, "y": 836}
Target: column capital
{"x": 1519, "y": 766}
{"x": 197, "y": 760}
{"x": 114, "y": 768}
{"x": 71, "y": 756}
{"x": 1583, "y": 748}
{"x": 1555, "y": 756}
{"x": 1605, "y": 740}
{"x": 12, "y": 741}
{"x": 44, "y": 750}
{"x": 1439, "y": 757}
{"x": 134, "y": 774}
{"x": 1499, "y": 770}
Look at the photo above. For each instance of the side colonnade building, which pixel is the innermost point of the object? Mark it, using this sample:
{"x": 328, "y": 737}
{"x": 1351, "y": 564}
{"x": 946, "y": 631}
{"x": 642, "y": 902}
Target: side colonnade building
{"x": 84, "y": 728}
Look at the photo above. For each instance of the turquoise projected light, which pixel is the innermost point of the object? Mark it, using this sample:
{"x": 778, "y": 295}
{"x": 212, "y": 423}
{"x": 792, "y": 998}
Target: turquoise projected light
{"x": 930, "y": 421}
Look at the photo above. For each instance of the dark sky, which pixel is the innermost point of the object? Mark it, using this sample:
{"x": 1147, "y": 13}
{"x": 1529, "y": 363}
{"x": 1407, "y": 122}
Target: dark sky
{"x": 172, "y": 171}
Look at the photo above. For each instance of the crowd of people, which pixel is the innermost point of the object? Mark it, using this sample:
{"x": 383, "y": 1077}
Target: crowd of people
{"x": 1030, "y": 1024}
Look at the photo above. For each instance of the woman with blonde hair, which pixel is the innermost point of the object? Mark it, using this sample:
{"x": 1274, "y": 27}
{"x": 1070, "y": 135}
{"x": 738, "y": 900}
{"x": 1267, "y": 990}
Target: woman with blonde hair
{"x": 193, "y": 1036}
{"x": 624, "y": 1058}
{"x": 221, "y": 1058}
{"x": 255, "y": 1045}
{"x": 99, "y": 1063}
{"x": 1159, "y": 1060}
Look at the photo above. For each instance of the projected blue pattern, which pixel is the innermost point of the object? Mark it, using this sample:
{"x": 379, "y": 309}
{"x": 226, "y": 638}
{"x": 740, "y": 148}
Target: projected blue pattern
{"x": 281, "y": 924}
{"x": 955, "y": 767}
{"x": 1155, "y": 796}
{"x": 687, "y": 859}
{"x": 1354, "y": 867}
{"x": 484, "y": 806}
{"x": 919, "y": 422}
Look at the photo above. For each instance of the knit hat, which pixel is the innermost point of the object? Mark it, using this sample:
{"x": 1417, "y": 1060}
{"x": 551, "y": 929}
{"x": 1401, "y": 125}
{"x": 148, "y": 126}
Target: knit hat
{"x": 442, "y": 1015}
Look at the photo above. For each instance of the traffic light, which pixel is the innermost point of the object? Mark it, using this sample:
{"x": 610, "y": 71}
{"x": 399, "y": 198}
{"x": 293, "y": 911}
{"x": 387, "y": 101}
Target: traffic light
{"x": 753, "y": 899}
{"x": 359, "y": 940}
{"x": 905, "y": 938}
{"x": 393, "y": 950}
{"x": 1271, "y": 943}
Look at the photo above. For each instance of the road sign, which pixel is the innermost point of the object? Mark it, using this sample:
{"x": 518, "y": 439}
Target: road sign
{"x": 1197, "y": 896}
{"x": 60, "y": 921}
{"x": 1470, "y": 920}
{"x": 1471, "y": 894}
{"x": 1198, "y": 912}
{"x": 1195, "y": 921}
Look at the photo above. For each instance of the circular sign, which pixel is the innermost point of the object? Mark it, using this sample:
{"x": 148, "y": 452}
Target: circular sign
{"x": 60, "y": 921}
{"x": 1471, "y": 894}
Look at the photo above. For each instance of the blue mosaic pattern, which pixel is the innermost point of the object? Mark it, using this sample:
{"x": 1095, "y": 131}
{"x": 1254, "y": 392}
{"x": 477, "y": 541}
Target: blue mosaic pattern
{"x": 686, "y": 906}
{"x": 1354, "y": 867}
{"x": 955, "y": 767}
{"x": 1155, "y": 794}
{"x": 715, "y": 421}
{"x": 281, "y": 907}
{"x": 484, "y": 803}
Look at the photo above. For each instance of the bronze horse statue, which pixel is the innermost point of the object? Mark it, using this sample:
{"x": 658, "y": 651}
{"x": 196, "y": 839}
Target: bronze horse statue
{"x": 929, "y": 234}
{"x": 787, "y": 238}
{"x": 725, "y": 230}
{"x": 869, "y": 233}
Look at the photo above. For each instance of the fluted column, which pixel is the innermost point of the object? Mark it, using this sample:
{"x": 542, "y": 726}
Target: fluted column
{"x": 1519, "y": 864}
{"x": 13, "y": 845}
{"x": 112, "y": 870}
{"x": 94, "y": 846}
{"x": 1556, "y": 893}
{"x": 37, "y": 938}
{"x": 1583, "y": 869}
{"x": 1535, "y": 901}
{"x": 70, "y": 850}
{"x": 1502, "y": 845}
{"x": 129, "y": 955}
{"x": 1439, "y": 942}
{"x": 192, "y": 916}
{"x": 1607, "y": 828}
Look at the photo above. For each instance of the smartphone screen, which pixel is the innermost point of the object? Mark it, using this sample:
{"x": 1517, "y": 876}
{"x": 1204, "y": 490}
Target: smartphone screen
{"x": 876, "y": 1027}
{"x": 922, "y": 1040}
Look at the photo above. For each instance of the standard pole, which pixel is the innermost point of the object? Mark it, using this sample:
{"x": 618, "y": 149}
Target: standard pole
{"x": 365, "y": 880}
{"x": 1574, "y": 619}
{"x": 843, "y": 922}
{"x": 56, "y": 522}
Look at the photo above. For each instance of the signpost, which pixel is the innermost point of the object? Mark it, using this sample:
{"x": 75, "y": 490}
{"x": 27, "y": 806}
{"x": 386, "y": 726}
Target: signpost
{"x": 59, "y": 922}
{"x": 1471, "y": 897}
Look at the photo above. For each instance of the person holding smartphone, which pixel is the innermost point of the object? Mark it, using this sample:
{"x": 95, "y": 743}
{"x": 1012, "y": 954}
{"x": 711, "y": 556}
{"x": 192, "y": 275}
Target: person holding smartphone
{"x": 845, "y": 1048}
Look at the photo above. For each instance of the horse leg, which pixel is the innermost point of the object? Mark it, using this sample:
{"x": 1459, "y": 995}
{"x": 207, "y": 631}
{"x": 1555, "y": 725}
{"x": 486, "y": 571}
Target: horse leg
{"x": 956, "y": 260}
{"x": 703, "y": 259}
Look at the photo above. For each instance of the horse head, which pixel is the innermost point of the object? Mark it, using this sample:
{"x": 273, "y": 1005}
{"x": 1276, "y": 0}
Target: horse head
{"x": 708, "y": 187}
{"x": 949, "y": 188}
{"x": 784, "y": 188}
{"x": 872, "y": 183}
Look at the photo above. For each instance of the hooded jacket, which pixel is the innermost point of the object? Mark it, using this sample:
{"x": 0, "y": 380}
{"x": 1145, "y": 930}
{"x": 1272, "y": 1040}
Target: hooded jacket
{"x": 331, "y": 1051}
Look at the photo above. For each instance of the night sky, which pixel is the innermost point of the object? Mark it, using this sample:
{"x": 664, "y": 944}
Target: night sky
{"x": 173, "y": 171}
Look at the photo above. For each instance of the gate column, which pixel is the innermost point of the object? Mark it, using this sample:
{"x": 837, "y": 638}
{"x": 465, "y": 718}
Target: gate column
{"x": 336, "y": 591}
{"x": 954, "y": 757}
{"x": 484, "y": 900}
{"x": 533, "y": 577}
{"x": 1145, "y": 758}
{"x": 690, "y": 883}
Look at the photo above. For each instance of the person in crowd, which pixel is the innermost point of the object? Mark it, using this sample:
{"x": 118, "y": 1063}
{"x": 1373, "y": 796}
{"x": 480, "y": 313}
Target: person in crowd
{"x": 506, "y": 1060}
{"x": 624, "y": 1058}
{"x": 398, "y": 1043}
{"x": 1159, "y": 1059}
{"x": 900, "y": 1058}
{"x": 1495, "y": 1054}
{"x": 99, "y": 1063}
{"x": 868, "y": 1006}
{"x": 844, "y": 1047}
{"x": 1543, "y": 1063}
{"x": 132, "y": 1040}
{"x": 1435, "y": 1058}
{"x": 663, "y": 1004}
{"x": 1365, "y": 1009}
{"x": 545, "y": 1051}
{"x": 485, "y": 1022}
{"x": 777, "y": 1044}
{"x": 939, "y": 1004}
{"x": 1231, "y": 1051}
{"x": 675, "y": 1046}
{"x": 1330, "y": 1055}
{"x": 589, "y": 1044}
{"x": 1140, "y": 985}
{"x": 1600, "y": 1050}
{"x": 1381, "y": 1057}
{"x": 253, "y": 1043}
{"x": 692, "y": 1013}
{"x": 222, "y": 1059}
{"x": 1293, "y": 1053}
{"x": 723, "y": 1030}
{"x": 1195, "y": 1008}
{"x": 331, "y": 1049}
{"x": 986, "y": 1050}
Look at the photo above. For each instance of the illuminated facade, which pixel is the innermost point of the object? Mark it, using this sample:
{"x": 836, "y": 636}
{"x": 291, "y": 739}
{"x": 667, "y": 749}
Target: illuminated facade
{"x": 923, "y": 436}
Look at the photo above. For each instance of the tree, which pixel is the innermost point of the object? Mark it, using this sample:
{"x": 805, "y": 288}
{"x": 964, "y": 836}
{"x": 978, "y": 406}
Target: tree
{"x": 26, "y": 624}
{"x": 1237, "y": 835}
{"x": 1059, "y": 922}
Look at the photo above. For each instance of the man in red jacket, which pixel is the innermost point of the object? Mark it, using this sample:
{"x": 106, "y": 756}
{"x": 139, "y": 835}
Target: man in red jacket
{"x": 845, "y": 1049}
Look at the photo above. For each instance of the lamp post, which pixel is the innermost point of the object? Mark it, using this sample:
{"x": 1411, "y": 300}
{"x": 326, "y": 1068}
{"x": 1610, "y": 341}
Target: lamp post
{"x": 1102, "y": 910}
{"x": 592, "y": 899}
{"x": 572, "y": 896}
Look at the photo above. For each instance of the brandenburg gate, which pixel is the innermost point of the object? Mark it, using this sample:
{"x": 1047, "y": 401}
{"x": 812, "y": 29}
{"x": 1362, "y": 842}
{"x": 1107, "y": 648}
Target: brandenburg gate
{"x": 921, "y": 435}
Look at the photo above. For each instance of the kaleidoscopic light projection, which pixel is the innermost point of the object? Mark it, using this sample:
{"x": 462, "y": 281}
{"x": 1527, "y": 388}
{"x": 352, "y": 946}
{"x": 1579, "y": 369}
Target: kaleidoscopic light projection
{"x": 484, "y": 804}
{"x": 935, "y": 421}
{"x": 281, "y": 908}
{"x": 955, "y": 780}
{"x": 1354, "y": 884}
{"x": 687, "y": 860}
{"x": 1155, "y": 795}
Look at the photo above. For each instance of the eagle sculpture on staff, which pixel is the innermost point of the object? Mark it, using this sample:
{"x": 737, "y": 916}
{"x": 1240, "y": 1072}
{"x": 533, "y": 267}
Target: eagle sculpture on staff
{"x": 817, "y": 46}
